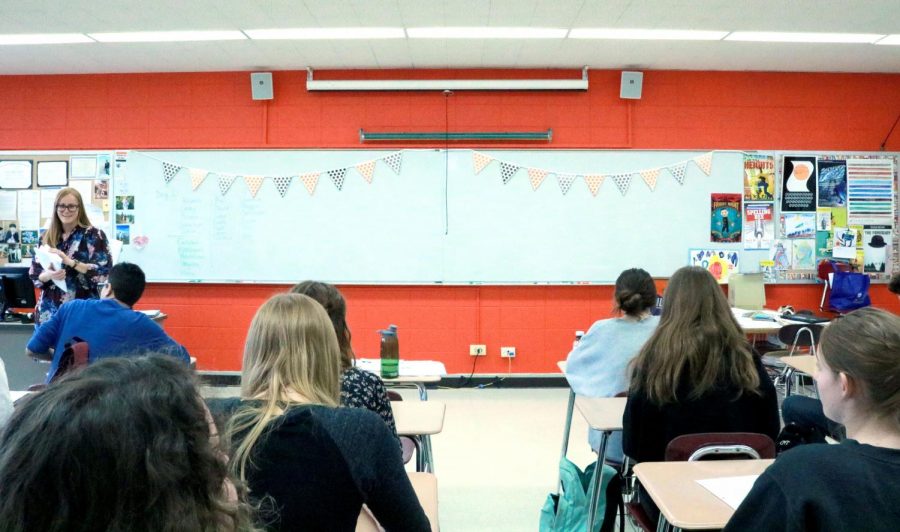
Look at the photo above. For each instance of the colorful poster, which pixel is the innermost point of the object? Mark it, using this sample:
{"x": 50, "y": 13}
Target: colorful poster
{"x": 823, "y": 220}
{"x": 725, "y": 218}
{"x": 759, "y": 177}
{"x": 870, "y": 184}
{"x": 824, "y": 244}
{"x": 798, "y": 190}
{"x": 719, "y": 262}
{"x": 798, "y": 225}
{"x": 760, "y": 230}
{"x": 844, "y": 243}
{"x": 804, "y": 254}
{"x": 877, "y": 242}
{"x": 781, "y": 254}
{"x": 832, "y": 190}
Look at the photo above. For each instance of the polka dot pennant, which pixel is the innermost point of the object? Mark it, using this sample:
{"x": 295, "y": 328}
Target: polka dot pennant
{"x": 367, "y": 170}
{"x": 393, "y": 161}
{"x": 170, "y": 171}
{"x": 507, "y": 171}
{"x": 225, "y": 182}
{"x": 622, "y": 181}
{"x": 197, "y": 177}
{"x": 704, "y": 162}
{"x": 593, "y": 183}
{"x": 536, "y": 176}
{"x": 678, "y": 171}
{"x": 253, "y": 183}
{"x": 337, "y": 176}
{"x": 565, "y": 182}
{"x": 480, "y": 160}
{"x": 283, "y": 183}
{"x": 650, "y": 177}
{"x": 310, "y": 181}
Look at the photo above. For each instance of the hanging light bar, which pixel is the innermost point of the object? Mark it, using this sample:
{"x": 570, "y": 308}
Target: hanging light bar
{"x": 448, "y": 84}
{"x": 369, "y": 136}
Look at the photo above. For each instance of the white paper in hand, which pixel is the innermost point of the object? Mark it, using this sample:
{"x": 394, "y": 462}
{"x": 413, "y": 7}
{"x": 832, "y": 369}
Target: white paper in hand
{"x": 50, "y": 261}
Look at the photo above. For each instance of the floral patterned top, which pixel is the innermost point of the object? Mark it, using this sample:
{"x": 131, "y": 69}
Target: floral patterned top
{"x": 364, "y": 389}
{"x": 85, "y": 244}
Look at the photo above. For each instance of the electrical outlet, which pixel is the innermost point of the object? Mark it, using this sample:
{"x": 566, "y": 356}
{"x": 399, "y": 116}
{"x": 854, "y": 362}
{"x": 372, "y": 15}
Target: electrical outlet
{"x": 507, "y": 352}
{"x": 477, "y": 350}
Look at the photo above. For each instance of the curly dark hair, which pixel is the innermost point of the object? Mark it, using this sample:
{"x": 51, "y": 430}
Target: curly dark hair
{"x": 124, "y": 444}
{"x": 331, "y": 298}
{"x": 894, "y": 285}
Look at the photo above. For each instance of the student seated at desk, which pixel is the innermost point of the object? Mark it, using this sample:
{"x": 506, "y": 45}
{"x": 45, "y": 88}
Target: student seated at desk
{"x": 854, "y": 485}
{"x": 125, "y": 444}
{"x": 108, "y": 325}
{"x": 310, "y": 465}
{"x": 359, "y": 388}
{"x": 597, "y": 366}
{"x": 696, "y": 373}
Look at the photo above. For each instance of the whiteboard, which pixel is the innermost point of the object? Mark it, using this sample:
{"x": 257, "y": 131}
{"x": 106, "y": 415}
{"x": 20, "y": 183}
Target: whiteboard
{"x": 437, "y": 221}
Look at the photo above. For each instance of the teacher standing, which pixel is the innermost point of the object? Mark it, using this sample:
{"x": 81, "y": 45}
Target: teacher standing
{"x": 84, "y": 251}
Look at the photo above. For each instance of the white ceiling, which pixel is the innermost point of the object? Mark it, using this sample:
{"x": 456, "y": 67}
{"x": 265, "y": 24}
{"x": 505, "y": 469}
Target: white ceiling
{"x": 87, "y": 16}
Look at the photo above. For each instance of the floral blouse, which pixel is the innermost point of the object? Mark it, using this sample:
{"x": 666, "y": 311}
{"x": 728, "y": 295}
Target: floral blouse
{"x": 364, "y": 389}
{"x": 85, "y": 244}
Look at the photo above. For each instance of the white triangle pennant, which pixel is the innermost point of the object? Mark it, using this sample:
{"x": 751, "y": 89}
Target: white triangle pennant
{"x": 565, "y": 182}
{"x": 282, "y": 184}
{"x": 623, "y": 181}
{"x": 678, "y": 171}
{"x": 507, "y": 171}
{"x": 394, "y": 160}
{"x": 310, "y": 181}
{"x": 704, "y": 162}
{"x": 367, "y": 170}
{"x": 593, "y": 183}
{"x": 480, "y": 160}
{"x": 225, "y": 182}
{"x": 197, "y": 177}
{"x": 337, "y": 176}
{"x": 170, "y": 171}
{"x": 536, "y": 176}
{"x": 650, "y": 177}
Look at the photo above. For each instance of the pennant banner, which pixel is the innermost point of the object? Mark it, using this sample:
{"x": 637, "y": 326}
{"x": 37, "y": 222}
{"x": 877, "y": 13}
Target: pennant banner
{"x": 367, "y": 170}
{"x": 593, "y": 183}
{"x": 310, "y": 180}
{"x": 394, "y": 160}
{"x": 337, "y": 176}
{"x": 253, "y": 183}
{"x": 480, "y": 160}
{"x": 678, "y": 171}
{"x": 536, "y": 176}
{"x": 283, "y": 183}
{"x": 565, "y": 182}
{"x": 650, "y": 177}
{"x": 197, "y": 177}
{"x": 623, "y": 181}
{"x": 507, "y": 171}
{"x": 704, "y": 162}
{"x": 170, "y": 171}
{"x": 225, "y": 182}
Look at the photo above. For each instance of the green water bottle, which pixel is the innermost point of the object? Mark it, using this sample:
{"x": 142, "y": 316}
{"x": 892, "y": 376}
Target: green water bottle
{"x": 390, "y": 353}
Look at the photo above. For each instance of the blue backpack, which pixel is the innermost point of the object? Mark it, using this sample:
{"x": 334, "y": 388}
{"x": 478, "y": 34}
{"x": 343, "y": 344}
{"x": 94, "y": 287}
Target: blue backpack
{"x": 567, "y": 511}
{"x": 849, "y": 291}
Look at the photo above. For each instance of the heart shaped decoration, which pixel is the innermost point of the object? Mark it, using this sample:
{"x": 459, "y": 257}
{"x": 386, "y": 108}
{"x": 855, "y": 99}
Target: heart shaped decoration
{"x": 140, "y": 242}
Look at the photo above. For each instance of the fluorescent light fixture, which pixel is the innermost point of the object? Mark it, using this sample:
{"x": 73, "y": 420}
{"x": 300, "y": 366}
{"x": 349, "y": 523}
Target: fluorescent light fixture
{"x": 890, "y": 39}
{"x": 168, "y": 36}
{"x": 648, "y": 35}
{"x": 485, "y": 32}
{"x": 777, "y": 36}
{"x": 44, "y": 38}
{"x": 326, "y": 33}
{"x": 447, "y": 84}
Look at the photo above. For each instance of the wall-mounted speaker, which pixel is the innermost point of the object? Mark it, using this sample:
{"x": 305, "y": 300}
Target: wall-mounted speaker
{"x": 261, "y": 86}
{"x": 632, "y": 83}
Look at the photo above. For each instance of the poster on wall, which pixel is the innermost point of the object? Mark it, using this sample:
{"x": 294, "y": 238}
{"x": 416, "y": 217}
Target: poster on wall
{"x": 15, "y": 174}
{"x": 832, "y": 183}
{"x": 844, "y": 243}
{"x": 725, "y": 217}
{"x": 877, "y": 242}
{"x": 759, "y": 177}
{"x": 780, "y": 254}
{"x": 798, "y": 190}
{"x": 760, "y": 225}
{"x": 870, "y": 184}
{"x": 798, "y": 225}
{"x": 804, "y": 254}
{"x": 721, "y": 263}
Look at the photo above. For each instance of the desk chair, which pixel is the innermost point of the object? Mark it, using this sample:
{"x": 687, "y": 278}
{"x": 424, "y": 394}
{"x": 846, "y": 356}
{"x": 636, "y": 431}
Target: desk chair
{"x": 802, "y": 339}
{"x": 408, "y": 445}
{"x": 73, "y": 357}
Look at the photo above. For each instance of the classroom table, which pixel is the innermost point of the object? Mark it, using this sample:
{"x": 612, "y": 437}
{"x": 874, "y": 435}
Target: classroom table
{"x": 416, "y": 373}
{"x": 605, "y": 415}
{"x": 425, "y": 486}
{"x": 683, "y": 503}
{"x": 805, "y": 364}
{"x": 419, "y": 420}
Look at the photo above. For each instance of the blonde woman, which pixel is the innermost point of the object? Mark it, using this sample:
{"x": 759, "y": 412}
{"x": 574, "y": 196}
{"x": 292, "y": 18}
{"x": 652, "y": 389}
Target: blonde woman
{"x": 84, "y": 251}
{"x": 309, "y": 464}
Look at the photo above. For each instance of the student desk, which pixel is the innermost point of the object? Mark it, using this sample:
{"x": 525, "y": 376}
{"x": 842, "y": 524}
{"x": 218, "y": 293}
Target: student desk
{"x": 805, "y": 364}
{"x": 415, "y": 373}
{"x": 420, "y": 420}
{"x": 425, "y": 486}
{"x": 603, "y": 414}
{"x": 683, "y": 503}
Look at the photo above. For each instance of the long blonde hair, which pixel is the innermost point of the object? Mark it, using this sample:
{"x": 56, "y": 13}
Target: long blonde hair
{"x": 291, "y": 357}
{"x": 54, "y": 233}
{"x": 698, "y": 335}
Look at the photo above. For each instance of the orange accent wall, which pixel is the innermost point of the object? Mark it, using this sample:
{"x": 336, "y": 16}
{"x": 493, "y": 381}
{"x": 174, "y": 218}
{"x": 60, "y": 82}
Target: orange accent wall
{"x": 678, "y": 110}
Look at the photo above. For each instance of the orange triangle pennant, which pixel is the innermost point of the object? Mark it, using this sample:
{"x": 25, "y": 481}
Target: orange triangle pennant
{"x": 253, "y": 183}
{"x": 367, "y": 170}
{"x": 197, "y": 177}
{"x": 536, "y": 176}
{"x": 704, "y": 162}
{"x": 594, "y": 182}
{"x": 650, "y": 177}
{"x": 310, "y": 180}
{"x": 481, "y": 160}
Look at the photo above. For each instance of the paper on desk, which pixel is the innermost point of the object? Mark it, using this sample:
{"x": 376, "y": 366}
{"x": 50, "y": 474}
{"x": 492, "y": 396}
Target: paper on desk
{"x": 732, "y": 490}
{"x": 48, "y": 259}
{"x": 408, "y": 368}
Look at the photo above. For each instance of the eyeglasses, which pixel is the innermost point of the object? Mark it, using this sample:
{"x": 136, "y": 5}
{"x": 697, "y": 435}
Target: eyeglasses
{"x": 63, "y": 207}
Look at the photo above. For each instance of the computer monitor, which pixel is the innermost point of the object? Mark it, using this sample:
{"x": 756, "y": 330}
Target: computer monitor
{"x": 16, "y": 289}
